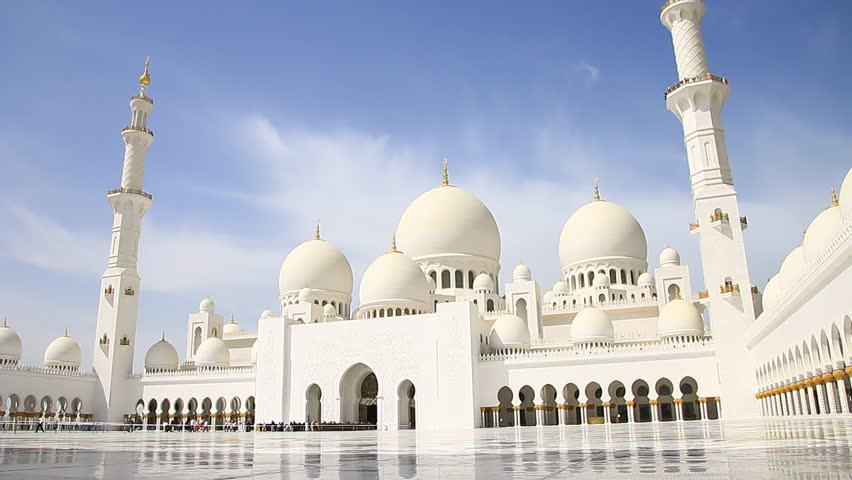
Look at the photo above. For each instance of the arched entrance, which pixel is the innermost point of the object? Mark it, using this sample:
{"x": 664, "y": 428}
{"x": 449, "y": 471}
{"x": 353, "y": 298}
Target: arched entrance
{"x": 690, "y": 407}
{"x": 405, "y": 408}
{"x": 527, "y": 397}
{"x": 665, "y": 400}
{"x": 359, "y": 392}
{"x": 506, "y": 415}
{"x": 313, "y": 405}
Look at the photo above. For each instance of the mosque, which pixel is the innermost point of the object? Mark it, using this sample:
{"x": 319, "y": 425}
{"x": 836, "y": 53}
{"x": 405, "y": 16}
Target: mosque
{"x": 613, "y": 340}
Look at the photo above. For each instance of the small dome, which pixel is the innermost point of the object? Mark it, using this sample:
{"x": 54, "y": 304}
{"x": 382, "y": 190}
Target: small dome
{"x": 601, "y": 229}
{"x": 483, "y": 282}
{"x": 592, "y": 325}
{"x": 645, "y": 280}
{"x": 548, "y": 296}
{"x": 522, "y": 273}
{"x": 601, "y": 280}
{"x": 232, "y": 328}
{"x": 162, "y": 356}
{"x": 305, "y": 294}
{"x": 316, "y": 264}
{"x": 329, "y": 311}
{"x": 679, "y": 317}
{"x": 393, "y": 277}
{"x": 792, "y": 268}
{"x": 10, "y": 344}
{"x": 207, "y": 305}
{"x": 846, "y": 195}
{"x": 772, "y": 293}
{"x": 213, "y": 353}
{"x": 669, "y": 257}
{"x": 821, "y": 231}
{"x": 267, "y": 314}
{"x": 448, "y": 220}
{"x": 431, "y": 284}
{"x": 63, "y": 352}
{"x": 560, "y": 288}
{"x": 509, "y": 331}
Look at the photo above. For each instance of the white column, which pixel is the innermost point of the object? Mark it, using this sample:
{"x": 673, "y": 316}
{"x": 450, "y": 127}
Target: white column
{"x": 630, "y": 412}
{"x": 807, "y": 392}
{"x": 654, "y": 414}
{"x": 820, "y": 397}
{"x": 583, "y": 414}
{"x": 844, "y": 394}
{"x": 495, "y": 417}
{"x": 482, "y": 418}
{"x": 607, "y": 414}
{"x": 829, "y": 398}
{"x": 678, "y": 412}
{"x": 704, "y": 414}
{"x": 719, "y": 406}
{"x": 517, "y": 413}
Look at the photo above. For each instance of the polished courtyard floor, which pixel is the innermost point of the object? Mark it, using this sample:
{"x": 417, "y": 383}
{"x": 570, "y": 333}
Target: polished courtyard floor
{"x": 773, "y": 449}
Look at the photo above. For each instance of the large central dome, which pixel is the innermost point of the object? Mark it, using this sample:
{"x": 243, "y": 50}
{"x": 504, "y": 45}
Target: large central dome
{"x": 448, "y": 221}
{"x": 601, "y": 229}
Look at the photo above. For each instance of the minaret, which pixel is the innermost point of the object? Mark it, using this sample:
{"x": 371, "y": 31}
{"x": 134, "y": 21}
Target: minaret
{"x": 119, "y": 293}
{"x": 697, "y": 101}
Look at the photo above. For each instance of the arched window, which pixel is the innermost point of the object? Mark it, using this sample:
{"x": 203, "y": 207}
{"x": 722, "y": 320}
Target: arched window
{"x": 196, "y": 340}
{"x": 434, "y": 276}
{"x": 489, "y": 305}
{"x": 612, "y": 277}
{"x": 573, "y": 283}
{"x": 623, "y": 276}
{"x": 382, "y": 313}
{"x": 459, "y": 279}
{"x": 470, "y": 279}
{"x": 398, "y": 312}
{"x": 445, "y": 279}
{"x": 601, "y": 298}
{"x": 405, "y": 312}
{"x": 323, "y": 303}
{"x": 591, "y": 278}
{"x": 632, "y": 278}
{"x": 582, "y": 281}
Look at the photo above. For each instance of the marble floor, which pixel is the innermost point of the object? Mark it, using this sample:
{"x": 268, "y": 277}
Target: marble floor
{"x": 799, "y": 448}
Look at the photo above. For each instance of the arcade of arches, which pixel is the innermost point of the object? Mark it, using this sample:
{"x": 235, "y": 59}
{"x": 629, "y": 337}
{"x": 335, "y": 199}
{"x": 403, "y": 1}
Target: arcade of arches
{"x": 597, "y": 404}
{"x": 24, "y": 409}
{"x": 156, "y": 414}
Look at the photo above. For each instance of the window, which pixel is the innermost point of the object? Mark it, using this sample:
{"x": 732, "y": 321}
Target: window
{"x": 470, "y": 279}
{"x": 445, "y": 279}
{"x": 489, "y": 305}
{"x": 459, "y": 279}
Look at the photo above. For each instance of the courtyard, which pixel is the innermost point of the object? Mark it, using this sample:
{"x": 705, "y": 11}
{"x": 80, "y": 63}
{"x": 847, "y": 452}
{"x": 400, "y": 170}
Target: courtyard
{"x": 797, "y": 448}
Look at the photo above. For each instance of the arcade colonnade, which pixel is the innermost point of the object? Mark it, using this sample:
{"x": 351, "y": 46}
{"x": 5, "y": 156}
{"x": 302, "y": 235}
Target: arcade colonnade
{"x": 812, "y": 377}
{"x": 156, "y": 414}
{"x": 30, "y": 409}
{"x": 644, "y": 402}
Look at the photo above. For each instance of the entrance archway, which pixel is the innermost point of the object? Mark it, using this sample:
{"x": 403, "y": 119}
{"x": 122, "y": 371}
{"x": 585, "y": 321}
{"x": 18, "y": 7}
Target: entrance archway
{"x": 527, "y": 397}
{"x": 359, "y": 395}
{"x": 690, "y": 407}
{"x": 506, "y": 416}
{"x": 405, "y": 408}
{"x": 642, "y": 407}
{"x": 313, "y": 405}
{"x": 665, "y": 400}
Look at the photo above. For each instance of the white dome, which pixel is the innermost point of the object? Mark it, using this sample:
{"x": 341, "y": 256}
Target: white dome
{"x": 63, "y": 352}
{"x": 207, "y": 305}
{"x": 600, "y": 280}
{"x": 792, "y": 268}
{"x": 267, "y": 314}
{"x": 601, "y": 229}
{"x": 645, "y": 280}
{"x": 213, "y": 353}
{"x": 560, "y": 288}
{"x": 448, "y": 220}
{"x": 592, "y": 325}
{"x": 483, "y": 282}
{"x": 548, "y": 296}
{"x": 392, "y": 277}
{"x": 669, "y": 257}
{"x": 822, "y": 230}
{"x": 318, "y": 265}
{"x": 772, "y": 293}
{"x": 846, "y": 195}
{"x": 162, "y": 356}
{"x": 329, "y": 311}
{"x": 522, "y": 273}
{"x": 679, "y": 317}
{"x": 232, "y": 328}
{"x": 430, "y": 283}
{"x": 10, "y": 344}
{"x": 509, "y": 331}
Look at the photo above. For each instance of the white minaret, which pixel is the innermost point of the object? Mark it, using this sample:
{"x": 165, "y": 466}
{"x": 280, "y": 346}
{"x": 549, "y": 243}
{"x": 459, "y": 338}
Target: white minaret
{"x": 119, "y": 295}
{"x": 697, "y": 101}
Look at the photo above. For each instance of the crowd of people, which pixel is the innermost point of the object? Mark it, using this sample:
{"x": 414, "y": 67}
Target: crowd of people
{"x": 313, "y": 427}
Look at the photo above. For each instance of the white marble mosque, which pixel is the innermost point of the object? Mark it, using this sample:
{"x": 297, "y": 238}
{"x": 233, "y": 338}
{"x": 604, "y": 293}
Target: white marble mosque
{"x": 616, "y": 339}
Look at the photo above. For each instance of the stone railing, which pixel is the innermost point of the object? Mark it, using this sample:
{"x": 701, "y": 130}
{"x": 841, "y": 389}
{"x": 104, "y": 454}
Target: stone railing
{"x": 619, "y": 349}
{"x": 246, "y": 370}
{"x": 47, "y": 370}
{"x": 549, "y": 308}
{"x": 130, "y": 190}
{"x": 143, "y": 97}
{"x": 699, "y": 78}
{"x": 137, "y": 128}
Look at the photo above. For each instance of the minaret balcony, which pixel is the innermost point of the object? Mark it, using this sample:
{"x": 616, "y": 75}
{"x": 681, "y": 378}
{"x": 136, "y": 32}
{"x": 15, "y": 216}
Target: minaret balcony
{"x": 130, "y": 190}
{"x": 138, "y": 129}
{"x": 694, "y": 227}
{"x": 143, "y": 97}
{"x": 699, "y": 78}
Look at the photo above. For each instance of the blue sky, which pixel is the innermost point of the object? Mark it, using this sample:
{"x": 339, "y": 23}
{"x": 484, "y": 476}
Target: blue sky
{"x": 269, "y": 115}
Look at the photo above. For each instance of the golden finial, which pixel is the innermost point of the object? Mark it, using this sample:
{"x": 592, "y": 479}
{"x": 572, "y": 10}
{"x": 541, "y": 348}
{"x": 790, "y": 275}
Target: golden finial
{"x": 393, "y": 245}
{"x": 676, "y": 293}
{"x": 66, "y": 331}
{"x": 232, "y": 318}
{"x": 163, "y": 338}
{"x": 597, "y": 190}
{"x": 834, "y": 201}
{"x": 145, "y": 79}
{"x": 446, "y": 180}
{"x": 317, "y": 231}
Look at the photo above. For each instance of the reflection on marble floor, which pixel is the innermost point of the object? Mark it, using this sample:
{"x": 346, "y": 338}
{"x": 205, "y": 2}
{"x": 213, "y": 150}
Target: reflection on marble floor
{"x": 792, "y": 448}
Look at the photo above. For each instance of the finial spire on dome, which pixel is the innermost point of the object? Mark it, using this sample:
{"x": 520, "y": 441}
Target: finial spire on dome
{"x": 597, "y": 190}
{"x": 66, "y": 331}
{"x": 393, "y": 245}
{"x": 163, "y": 337}
{"x": 4, "y": 321}
{"x": 232, "y": 317}
{"x": 446, "y": 180}
{"x": 145, "y": 78}
{"x": 317, "y": 231}
{"x": 834, "y": 201}
{"x": 676, "y": 293}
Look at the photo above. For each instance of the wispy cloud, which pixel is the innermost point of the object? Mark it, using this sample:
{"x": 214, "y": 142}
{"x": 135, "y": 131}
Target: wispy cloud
{"x": 593, "y": 73}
